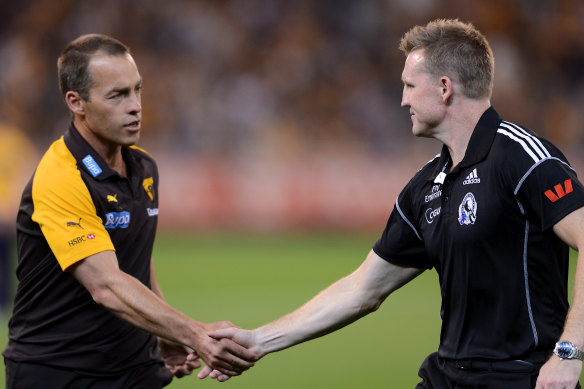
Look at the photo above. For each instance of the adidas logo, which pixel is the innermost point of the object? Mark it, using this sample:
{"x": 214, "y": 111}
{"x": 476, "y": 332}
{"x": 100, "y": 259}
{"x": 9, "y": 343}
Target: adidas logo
{"x": 472, "y": 178}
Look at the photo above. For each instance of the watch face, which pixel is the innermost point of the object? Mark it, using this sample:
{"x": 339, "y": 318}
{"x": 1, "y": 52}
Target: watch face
{"x": 564, "y": 350}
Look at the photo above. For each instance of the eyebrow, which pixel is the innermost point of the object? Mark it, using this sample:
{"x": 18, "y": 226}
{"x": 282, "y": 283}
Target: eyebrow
{"x": 124, "y": 89}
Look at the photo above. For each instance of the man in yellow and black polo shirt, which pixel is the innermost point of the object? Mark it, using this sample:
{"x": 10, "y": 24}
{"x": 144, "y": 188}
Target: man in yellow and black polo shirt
{"x": 88, "y": 311}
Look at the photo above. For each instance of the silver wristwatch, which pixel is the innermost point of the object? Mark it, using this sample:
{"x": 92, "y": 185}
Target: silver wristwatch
{"x": 567, "y": 350}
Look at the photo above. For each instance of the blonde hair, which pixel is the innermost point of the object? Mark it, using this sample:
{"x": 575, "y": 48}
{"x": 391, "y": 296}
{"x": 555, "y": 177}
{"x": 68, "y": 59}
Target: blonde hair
{"x": 457, "y": 50}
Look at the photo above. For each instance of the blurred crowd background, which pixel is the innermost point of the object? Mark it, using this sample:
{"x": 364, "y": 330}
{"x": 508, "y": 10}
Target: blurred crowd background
{"x": 275, "y": 114}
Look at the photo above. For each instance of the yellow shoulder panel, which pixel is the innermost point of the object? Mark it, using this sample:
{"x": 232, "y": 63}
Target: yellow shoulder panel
{"x": 141, "y": 149}
{"x": 64, "y": 209}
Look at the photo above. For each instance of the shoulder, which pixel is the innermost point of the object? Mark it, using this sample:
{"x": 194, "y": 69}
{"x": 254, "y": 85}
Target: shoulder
{"x": 521, "y": 152}
{"x": 57, "y": 186}
{"x": 523, "y": 148}
{"x": 521, "y": 142}
{"x": 144, "y": 158}
{"x": 425, "y": 174}
{"x": 427, "y": 171}
{"x": 140, "y": 151}
{"x": 58, "y": 165}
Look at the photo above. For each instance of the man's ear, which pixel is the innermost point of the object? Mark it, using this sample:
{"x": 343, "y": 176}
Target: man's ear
{"x": 75, "y": 102}
{"x": 446, "y": 89}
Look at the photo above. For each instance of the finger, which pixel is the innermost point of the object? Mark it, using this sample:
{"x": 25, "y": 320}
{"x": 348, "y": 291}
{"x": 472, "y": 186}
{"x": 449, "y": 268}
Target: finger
{"x": 230, "y": 365}
{"x": 225, "y": 324}
{"x": 242, "y": 356}
{"x": 216, "y": 374}
{"x": 175, "y": 360}
{"x": 183, "y": 371}
{"x": 228, "y": 371}
{"x": 223, "y": 333}
{"x": 173, "y": 370}
{"x": 219, "y": 376}
{"x": 204, "y": 373}
{"x": 194, "y": 364}
{"x": 176, "y": 373}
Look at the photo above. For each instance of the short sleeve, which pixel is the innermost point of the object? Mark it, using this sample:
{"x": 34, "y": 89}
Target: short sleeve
{"x": 400, "y": 242}
{"x": 64, "y": 210}
{"x": 550, "y": 191}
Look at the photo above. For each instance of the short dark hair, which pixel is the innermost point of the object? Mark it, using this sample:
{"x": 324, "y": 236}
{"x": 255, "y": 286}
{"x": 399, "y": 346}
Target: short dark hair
{"x": 73, "y": 63}
{"x": 455, "y": 49}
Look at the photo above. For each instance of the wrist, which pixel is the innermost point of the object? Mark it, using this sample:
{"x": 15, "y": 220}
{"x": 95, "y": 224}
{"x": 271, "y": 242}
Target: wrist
{"x": 266, "y": 340}
{"x": 567, "y": 350}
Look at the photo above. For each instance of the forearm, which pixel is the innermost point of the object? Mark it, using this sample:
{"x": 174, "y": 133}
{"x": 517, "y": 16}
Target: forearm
{"x": 133, "y": 302}
{"x": 332, "y": 309}
{"x": 574, "y": 326}
{"x": 558, "y": 373}
{"x": 345, "y": 301}
{"x": 571, "y": 230}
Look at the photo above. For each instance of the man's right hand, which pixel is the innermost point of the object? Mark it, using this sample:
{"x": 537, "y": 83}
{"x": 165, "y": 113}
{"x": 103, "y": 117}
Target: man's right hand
{"x": 222, "y": 353}
{"x": 240, "y": 336}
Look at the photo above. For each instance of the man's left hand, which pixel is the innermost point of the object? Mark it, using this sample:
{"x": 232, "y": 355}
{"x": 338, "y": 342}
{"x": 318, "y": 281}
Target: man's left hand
{"x": 559, "y": 374}
{"x": 178, "y": 359}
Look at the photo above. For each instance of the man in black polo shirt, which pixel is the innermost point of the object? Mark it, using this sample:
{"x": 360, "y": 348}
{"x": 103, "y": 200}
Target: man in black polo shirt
{"x": 494, "y": 214}
{"x": 88, "y": 311}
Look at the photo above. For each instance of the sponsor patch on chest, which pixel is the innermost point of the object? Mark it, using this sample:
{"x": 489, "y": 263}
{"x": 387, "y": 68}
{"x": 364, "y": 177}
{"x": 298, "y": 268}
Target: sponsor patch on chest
{"x": 436, "y": 192}
{"x": 117, "y": 220}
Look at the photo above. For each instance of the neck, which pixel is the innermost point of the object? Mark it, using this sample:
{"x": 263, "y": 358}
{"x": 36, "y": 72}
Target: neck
{"x": 460, "y": 127}
{"x": 111, "y": 153}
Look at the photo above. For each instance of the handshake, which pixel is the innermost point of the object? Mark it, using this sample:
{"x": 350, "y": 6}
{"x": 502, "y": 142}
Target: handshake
{"x": 226, "y": 350}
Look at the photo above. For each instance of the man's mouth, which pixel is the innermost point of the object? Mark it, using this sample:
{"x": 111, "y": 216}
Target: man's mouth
{"x": 133, "y": 126}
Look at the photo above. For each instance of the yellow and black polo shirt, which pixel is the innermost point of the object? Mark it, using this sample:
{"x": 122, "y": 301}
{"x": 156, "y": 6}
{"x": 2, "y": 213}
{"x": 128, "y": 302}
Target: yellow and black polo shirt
{"x": 73, "y": 207}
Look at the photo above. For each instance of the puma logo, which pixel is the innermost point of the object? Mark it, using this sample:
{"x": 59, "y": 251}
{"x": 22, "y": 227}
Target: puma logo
{"x": 71, "y": 224}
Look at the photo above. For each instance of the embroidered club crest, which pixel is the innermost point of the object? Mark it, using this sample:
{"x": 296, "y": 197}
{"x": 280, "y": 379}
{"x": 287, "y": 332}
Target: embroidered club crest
{"x": 467, "y": 210}
{"x": 148, "y": 185}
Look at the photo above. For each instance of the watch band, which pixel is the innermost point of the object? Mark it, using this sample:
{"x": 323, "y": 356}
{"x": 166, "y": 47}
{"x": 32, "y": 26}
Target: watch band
{"x": 579, "y": 354}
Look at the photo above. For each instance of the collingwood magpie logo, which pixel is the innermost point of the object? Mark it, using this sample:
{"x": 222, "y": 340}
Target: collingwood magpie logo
{"x": 467, "y": 210}
{"x": 472, "y": 178}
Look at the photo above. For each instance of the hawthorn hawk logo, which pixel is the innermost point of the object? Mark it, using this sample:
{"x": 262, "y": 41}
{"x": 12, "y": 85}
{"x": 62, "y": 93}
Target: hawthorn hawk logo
{"x": 148, "y": 185}
{"x": 560, "y": 191}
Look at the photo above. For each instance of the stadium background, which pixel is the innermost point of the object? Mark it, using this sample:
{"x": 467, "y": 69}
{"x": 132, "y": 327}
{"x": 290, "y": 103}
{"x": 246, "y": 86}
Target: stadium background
{"x": 281, "y": 145}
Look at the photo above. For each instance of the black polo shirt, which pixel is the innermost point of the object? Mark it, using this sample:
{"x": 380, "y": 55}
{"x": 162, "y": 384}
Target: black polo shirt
{"x": 486, "y": 226}
{"x": 73, "y": 207}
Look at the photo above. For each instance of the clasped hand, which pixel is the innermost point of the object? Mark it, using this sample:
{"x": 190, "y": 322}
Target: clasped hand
{"x": 243, "y": 338}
